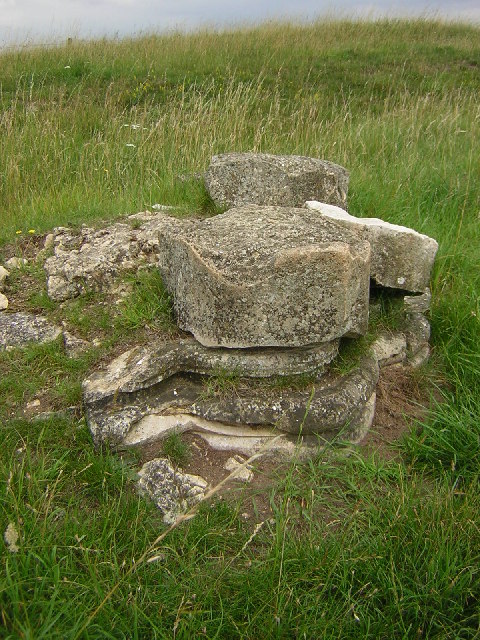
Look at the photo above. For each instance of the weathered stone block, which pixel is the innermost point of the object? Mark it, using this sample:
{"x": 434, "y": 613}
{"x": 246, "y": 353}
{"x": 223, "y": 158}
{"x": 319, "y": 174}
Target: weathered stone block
{"x": 401, "y": 258}
{"x": 267, "y": 276}
{"x": 234, "y": 179}
{"x": 334, "y": 406}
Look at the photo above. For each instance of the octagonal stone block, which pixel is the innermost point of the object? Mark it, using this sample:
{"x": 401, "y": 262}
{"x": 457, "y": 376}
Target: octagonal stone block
{"x": 267, "y": 276}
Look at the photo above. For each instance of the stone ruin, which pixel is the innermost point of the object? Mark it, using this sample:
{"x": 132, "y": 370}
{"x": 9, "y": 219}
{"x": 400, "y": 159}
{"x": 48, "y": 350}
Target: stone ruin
{"x": 266, "y": 290}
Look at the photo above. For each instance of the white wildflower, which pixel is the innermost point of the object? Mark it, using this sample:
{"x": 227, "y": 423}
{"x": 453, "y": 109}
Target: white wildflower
{"x": 11, "y": 537}
{"x": 129, "y": 144}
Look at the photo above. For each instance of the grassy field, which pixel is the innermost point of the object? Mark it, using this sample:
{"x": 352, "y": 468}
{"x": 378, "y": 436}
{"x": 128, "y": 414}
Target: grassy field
{"x": 358, "y": 547}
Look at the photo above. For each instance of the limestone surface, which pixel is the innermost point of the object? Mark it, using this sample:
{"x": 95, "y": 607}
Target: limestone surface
{"x": 390, "y": 348}
{"x": 91, "y": 259}
{"x": 419, "y": 303}
{"x": 3, "y": 302}
{"x": 234, "y": 179}
{"x": 401, "y": 257}
{"x": 18, "y": 329}
{"x": 172, "y": 490}
{"x": 267, "y": 276}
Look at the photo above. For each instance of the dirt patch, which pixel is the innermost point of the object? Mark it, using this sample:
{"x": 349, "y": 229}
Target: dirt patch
{"x": 402, "y": 398}
{"x": 251, "y": 499}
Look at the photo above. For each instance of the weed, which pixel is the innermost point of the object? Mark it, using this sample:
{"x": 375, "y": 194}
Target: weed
{"x": 149, "y": 304}
{"x": 350, "y": 352}
{"x": 221, "y": 383}
{"x": 296, "y": 382}
{"x": 176, "y": 450}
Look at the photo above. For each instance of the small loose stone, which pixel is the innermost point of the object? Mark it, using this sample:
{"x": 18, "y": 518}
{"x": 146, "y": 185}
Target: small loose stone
{"x": 16, "y": 263}
{"x": 3, "y": 302}
{"x": 3, "y": 275}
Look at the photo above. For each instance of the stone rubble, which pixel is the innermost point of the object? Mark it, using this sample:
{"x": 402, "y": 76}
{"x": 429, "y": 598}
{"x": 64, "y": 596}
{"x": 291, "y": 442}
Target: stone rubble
{"x": 92, "y": 259}
{"x": 267, "y": 290}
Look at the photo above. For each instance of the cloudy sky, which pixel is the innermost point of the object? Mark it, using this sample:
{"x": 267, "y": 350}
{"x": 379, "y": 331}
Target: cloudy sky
{"x": 49, "y": 20}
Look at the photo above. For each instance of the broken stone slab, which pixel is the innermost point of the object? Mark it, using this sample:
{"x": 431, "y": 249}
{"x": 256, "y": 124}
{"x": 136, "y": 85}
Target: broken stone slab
{"x": 335, "y": 406}
{"x": 417, "y": 333}
{"x": 401, "y": 257}
{"x": 243, "y": 472}
{"x": 390, "y": 348}
{"x": 3, "y": 302}
{"x": 172, "y": 490}
{"x": 142, "y": 367}
{"x": 19, "y": 329}
{"x": 89, "y": 260}
{"x": 267, "y": 276}
{"x": 418, "y": 304}
{"x": 234, "y": 179}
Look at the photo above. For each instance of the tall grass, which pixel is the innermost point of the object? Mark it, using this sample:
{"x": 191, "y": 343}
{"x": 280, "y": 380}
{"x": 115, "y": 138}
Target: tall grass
{"x": 400, "y": 117}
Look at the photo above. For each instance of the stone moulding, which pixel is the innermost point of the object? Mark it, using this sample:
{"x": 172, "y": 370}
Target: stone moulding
{"x": 142, "y": 367}
{"x": 146, "y": 393}
{"x": 335, "y": 405}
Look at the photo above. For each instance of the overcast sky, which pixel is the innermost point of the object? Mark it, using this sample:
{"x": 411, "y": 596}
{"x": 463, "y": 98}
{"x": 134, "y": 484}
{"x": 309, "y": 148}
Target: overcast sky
{"x": 49, "y": 20}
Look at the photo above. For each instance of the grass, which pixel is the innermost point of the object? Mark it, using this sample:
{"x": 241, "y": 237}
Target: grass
{"x": 175, "y": 449}
{"x": 148, "y": 303}
{"x": 358, "y": 547}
